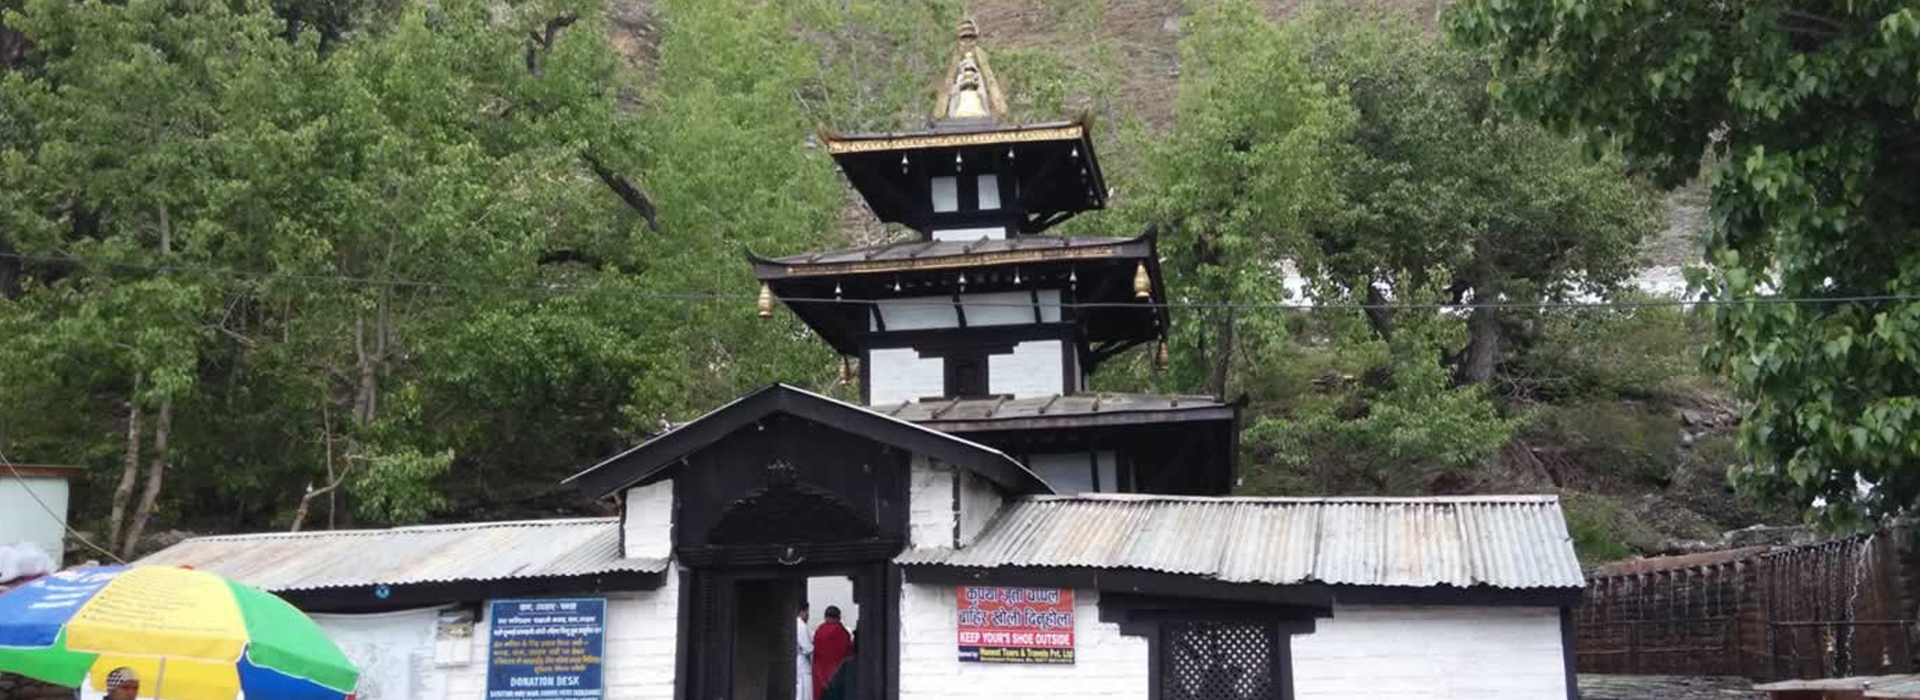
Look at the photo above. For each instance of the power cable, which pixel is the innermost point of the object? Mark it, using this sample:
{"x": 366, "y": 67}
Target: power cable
{"x": 691, "y": 296}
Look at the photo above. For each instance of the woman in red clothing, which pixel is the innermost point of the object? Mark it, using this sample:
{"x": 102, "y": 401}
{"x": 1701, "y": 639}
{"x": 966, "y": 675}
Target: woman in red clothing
{"x": 830, "y": 645}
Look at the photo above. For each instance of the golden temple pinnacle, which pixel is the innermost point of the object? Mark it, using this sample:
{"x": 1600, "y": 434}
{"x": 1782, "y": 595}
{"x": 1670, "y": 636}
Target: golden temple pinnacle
{"x": 970, "y": 92}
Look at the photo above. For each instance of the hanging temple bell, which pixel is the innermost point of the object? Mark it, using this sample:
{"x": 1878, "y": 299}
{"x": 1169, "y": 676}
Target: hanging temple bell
{"x": 1142, "y": 284}
{"x": 766, "y": 301}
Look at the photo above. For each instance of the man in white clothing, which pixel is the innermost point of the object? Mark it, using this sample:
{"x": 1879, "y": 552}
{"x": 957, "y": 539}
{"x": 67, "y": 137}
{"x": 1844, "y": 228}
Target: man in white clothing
{"x": 803, "y": 657}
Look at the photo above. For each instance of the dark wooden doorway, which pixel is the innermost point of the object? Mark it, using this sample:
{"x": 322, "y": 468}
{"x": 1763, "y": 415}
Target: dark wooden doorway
{"x": 737, "y": 629}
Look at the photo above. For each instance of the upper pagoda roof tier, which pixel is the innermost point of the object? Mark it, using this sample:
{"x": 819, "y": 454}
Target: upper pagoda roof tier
{"x": 1047, "y": 171}
{"x": 1054, "y": 163}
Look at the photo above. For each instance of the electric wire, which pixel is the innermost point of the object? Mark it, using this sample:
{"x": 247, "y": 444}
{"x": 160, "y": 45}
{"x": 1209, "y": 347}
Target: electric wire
{"x": 714, "y": 297}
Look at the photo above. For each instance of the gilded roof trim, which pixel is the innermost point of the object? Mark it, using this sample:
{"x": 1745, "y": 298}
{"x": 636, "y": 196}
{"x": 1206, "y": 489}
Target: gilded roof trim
{"x": 838, "y": 145}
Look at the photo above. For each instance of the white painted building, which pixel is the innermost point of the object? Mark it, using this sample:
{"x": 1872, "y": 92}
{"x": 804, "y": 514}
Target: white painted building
{"x": 33, "y": 507}
{"x": 1432, "y": 598}
{"x": 996, "y": 529}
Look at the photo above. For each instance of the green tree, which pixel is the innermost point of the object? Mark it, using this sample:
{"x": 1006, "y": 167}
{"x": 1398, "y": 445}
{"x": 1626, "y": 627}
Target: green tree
{"x": 1804, "y": 114}
{"x": 394, "y": 269}
{"x": 462, "y": 146}
{"x": 1245, "y": 167}
{"x": 1440, "y": 188}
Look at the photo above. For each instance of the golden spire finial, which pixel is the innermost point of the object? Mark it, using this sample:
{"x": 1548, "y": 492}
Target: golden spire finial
{"x": 971, "y": 91}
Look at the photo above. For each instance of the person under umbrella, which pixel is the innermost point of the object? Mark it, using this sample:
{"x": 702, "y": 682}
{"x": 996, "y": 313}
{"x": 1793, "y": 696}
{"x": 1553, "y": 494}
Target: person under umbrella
{"x": 188, "y": 634}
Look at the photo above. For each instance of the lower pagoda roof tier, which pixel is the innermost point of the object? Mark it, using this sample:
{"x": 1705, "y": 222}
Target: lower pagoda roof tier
{"x": 1087, "y": 410}
{"x": 838, "y": 293}
{"x": 1171, "y": 444}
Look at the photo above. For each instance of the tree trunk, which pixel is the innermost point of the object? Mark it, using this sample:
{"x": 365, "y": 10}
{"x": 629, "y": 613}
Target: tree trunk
{"x": 366, "y": 395}
{"x": 1378, "y": 316}
{"x": 334, "y": 479}
{"x": 156, "y": 473}
{"x": 129, "y": 471}
{"x": 13, "y": 49}
{"x": 1222, "y": 357}
{"x": 1483, "y": 343}
{"x": 9, "y": 271}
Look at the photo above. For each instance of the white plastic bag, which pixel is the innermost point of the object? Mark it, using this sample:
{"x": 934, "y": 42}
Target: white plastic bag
{"x": 23, "y": 559}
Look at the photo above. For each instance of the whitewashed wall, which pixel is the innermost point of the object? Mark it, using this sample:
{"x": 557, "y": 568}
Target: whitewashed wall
{"x": 970, "y": 234}
{"x": 23, "y": 520}
{"x": 930, "y": 515}
{"x": 900, "y": 374}
{"x": 1431, "y": 653}
{"x": 1035, "y": 368}
{"x": 989, "y": 309}
{"x": 933, "y": 513}
{"x": 641, "y": 629}
{"x": 1107, "y": 665}
{"x": 647, "y": 524}
{"x": 979, "y": 502}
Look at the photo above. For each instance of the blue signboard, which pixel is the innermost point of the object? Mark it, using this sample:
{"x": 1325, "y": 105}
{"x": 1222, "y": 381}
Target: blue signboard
{"x": 546, "y": 649}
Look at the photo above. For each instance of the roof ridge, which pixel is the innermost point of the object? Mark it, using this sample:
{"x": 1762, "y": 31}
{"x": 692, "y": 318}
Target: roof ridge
{"x": 437, "y": 527}
{"x": 1303, "y": 500}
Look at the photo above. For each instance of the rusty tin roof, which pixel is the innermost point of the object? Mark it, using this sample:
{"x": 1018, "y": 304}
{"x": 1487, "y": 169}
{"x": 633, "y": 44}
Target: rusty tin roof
{"x": 407, "y": 555}
{"x": 1500, "y": 541}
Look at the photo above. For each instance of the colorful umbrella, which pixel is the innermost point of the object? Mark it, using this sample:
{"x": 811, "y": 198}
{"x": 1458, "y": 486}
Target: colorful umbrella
{"x": 187, "y": 635}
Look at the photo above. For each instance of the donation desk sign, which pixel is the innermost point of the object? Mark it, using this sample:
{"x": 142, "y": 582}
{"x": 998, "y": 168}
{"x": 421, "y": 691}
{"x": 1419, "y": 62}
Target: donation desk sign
{"x": 1015, "y": 625}
{"x": 546, "y": 648}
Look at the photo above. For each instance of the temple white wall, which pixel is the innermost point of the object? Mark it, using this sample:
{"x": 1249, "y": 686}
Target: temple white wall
{"x": 1035, "y": 368}
{"x": 930, "y": 511}
{"x": 406, "y": 663}
{"x": 647, "y": 522}
{"x": 979, "y": 502}
{"x": 1107, "y": 665}
{"x": 1432, "y": 653}
{"x": 985, "y": 309}
{"x": 901, "y": 374}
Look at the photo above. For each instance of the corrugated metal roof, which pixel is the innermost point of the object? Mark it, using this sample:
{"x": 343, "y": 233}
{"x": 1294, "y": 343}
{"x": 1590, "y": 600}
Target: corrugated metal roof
{"x": 1500, "y": 541}
{"x": 1899, "y": 687}
{"x": 979, "y": 409}
{"x": 426, "y": 554}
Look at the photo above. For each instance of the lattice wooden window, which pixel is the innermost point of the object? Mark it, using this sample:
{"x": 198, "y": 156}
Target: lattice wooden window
{"x": 1221, "y": 661}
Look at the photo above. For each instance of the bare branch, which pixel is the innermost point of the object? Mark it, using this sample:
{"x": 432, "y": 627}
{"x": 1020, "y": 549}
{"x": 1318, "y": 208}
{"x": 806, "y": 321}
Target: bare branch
{"x": 335, "y": 479}
{"x": 633, "y": 196}
{"x": 540, "y": 43}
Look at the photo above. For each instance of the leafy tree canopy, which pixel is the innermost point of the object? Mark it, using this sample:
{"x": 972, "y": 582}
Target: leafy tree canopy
{"x": 1803, "y": 116}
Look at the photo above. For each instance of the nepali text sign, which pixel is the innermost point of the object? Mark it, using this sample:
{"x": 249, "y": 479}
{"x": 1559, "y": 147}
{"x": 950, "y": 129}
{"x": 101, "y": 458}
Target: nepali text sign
{"x": 546, "y": 649}
{"x": 1015, "y": 625}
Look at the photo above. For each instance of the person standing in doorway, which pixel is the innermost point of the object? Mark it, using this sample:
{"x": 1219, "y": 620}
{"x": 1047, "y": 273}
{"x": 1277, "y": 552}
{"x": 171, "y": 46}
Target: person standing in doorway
{"x": 802, "y": 657}
{"x": 830, "y": 645}
{"x": 845, "y": 684}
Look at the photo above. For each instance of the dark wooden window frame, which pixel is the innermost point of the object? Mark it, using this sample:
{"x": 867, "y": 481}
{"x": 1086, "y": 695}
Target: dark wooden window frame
{"x": 1153, "y": 617}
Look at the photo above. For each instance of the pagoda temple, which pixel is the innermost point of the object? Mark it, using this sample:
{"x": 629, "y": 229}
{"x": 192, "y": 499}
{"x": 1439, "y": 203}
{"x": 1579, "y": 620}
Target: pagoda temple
{"x": 982, "y": 325}
{"x": 986, "y": 524}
